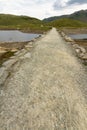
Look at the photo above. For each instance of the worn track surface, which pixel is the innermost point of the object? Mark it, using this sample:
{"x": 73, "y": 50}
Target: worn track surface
{"x": 46, "y": 91}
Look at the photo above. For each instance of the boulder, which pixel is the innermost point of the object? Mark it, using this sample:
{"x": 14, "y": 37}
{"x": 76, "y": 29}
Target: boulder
{"x": 69, "y": 39}
{"x": 76, "y": 46}
{"x": 62, "y": 34}
{"x": 85, "y": 56}
{"x": 77, "y": 50}
{"x": 83, "y": 50}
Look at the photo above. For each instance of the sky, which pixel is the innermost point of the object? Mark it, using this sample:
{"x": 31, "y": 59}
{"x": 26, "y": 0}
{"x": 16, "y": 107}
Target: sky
{"x": 41, "y": 8}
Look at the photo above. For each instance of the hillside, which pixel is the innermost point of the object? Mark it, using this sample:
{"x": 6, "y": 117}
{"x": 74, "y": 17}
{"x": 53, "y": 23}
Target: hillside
{"x": 30, "y": 24}
{"x": 79, "y": 15}
{"x": 21, "y": 22}
{"x": 66, "y": 22}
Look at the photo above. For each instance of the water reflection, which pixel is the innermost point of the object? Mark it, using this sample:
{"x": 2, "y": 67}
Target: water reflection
{"x": 16, "y": 36}
{"x": 78, "y": 36}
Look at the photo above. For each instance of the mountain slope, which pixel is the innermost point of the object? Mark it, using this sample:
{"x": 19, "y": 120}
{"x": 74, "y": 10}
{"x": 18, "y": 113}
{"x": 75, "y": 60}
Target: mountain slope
{"x": 79, "y": 15}
{"x": 8, "y": 21}
{"x": 66, "y": 22}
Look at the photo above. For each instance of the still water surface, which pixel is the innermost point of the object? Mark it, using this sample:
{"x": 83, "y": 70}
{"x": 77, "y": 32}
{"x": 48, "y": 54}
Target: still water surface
{"x": 78, "y": 36}
{"x": 16, "y": 36}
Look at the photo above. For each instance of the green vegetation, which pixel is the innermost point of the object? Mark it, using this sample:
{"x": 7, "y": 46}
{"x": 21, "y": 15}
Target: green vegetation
{"x": 22, "y": 23}
{"x": 29, "y": 24}
{"x": 69, "y": 23}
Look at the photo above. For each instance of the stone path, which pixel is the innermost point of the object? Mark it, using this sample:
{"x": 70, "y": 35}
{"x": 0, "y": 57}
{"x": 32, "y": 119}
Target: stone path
{"x": 47, "y": 89}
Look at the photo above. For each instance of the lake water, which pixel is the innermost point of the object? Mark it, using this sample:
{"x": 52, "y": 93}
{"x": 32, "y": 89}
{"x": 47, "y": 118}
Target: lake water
{"x": 78, "y": 36}
{"x": 16, "y": 36}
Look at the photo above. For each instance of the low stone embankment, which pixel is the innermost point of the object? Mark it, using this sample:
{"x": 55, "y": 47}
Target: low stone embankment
{"x": 46, "y": 87}
{"x": 80, "y": 50}
{"x": 6, "y": 67}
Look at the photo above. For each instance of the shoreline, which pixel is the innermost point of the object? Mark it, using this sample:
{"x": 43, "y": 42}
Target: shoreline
{"x": 25, "y": 30}
{"x": 79, "y": 45}
{"x": 8, "y": 49}
{"x": 74, "y": 30}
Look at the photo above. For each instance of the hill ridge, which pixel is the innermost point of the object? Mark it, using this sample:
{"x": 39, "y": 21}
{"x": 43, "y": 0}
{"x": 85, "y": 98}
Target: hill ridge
{"x": 78, "y": 15}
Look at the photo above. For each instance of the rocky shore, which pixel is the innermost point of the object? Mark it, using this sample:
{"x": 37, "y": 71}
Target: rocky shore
{"x": 80, "y": 46}
{"x": 11, "y": 54}
{"x": 8, "y": 49}
{"x": 5, "y": 68}
{"x": 74, "y": 30}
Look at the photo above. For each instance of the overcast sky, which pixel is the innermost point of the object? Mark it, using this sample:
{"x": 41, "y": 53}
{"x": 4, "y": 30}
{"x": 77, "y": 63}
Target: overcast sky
{"x": 41, "y": 8}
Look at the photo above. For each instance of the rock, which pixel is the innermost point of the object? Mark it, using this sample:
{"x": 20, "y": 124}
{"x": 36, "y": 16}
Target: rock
{"x": 13, "y": 57}
{"x": 63, "y": 34}
{"x": 3, "y": 75}
{"x": 81, "y": 55}
{"x": 30, "y": 43}
{"x": 28, "y": 47}
{"x": 3, "y": 50}
{"x": 20, "y": 53}
{"x": 69, "y": 39}
{"x": 27, "y": 55}
{"x": 84, "y": 57}
{"x": 82, "y": 49}
{"x": 77, "y": 50}
{"x": 76, "y": 46}
{"x": 14, "y": 50}
{"x": 9, "y": 63}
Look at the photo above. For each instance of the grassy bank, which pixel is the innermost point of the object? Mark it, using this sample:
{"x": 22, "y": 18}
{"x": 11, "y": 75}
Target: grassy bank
{"x": 24, "y": 23}
{"x": 67, "y": 23}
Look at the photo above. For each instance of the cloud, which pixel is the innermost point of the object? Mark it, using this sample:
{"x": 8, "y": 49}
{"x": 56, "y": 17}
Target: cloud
{"x": 41, "y": 8}
{"x": 33, "y": 8}
{"x": 76, "y": 2}
{"x": 60, "y": 4}
{"x": 65, "y": 3}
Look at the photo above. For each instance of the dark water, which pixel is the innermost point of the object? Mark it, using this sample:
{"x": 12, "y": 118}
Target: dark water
{"x": 16, "y": 36}
{"x": 78, "y": 36}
